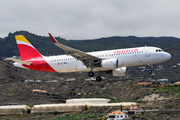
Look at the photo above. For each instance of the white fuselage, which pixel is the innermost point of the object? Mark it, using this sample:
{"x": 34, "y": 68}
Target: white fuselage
{"x": 130, "y": 57}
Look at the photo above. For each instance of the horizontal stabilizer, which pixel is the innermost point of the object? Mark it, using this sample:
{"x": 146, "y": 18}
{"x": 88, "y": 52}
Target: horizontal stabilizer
{"x": 20, "y": 61}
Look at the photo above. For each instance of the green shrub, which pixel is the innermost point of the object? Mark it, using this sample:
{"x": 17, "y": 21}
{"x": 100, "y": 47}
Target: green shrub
{"x": 30, "y": 106}
{"x": 76, "y": 113}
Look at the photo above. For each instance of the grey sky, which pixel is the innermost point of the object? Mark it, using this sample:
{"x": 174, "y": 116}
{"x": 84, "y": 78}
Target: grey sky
{"x": 88, "y": 19}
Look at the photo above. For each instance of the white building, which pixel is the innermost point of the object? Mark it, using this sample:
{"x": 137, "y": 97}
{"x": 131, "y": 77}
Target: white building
{"x": 29, "y": 80}
{"x": 163, "y": 80}
{"x": 118, "y": 115}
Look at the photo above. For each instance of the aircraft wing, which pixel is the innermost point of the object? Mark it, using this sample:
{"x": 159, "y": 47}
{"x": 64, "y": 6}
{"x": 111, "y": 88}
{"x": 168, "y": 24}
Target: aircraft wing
{"x": 87, "y": 59}
{"x": 20, "y": 61}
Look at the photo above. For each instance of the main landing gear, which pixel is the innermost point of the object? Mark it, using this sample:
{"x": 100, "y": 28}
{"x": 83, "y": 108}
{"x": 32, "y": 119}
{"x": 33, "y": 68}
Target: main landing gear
{"x": 91, "y": 74}
{"x": 98, "y": 78}
{"x": 150, "y": 71}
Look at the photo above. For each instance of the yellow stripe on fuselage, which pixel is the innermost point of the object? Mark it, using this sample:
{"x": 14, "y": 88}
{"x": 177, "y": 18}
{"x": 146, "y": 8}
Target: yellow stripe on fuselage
{"x": 22, "y": 38}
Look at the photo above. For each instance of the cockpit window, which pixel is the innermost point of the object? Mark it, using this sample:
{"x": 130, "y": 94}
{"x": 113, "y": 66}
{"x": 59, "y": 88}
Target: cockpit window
{"x": 159, "y": 50}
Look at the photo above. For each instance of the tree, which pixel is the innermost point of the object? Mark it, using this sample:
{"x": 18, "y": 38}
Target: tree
{"x": 121, "y": 108}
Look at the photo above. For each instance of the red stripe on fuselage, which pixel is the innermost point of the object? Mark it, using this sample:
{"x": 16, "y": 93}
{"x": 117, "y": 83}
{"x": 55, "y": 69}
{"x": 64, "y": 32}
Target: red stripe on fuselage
{"x": 30, "y": 54}
{"x": 40, "y": 64}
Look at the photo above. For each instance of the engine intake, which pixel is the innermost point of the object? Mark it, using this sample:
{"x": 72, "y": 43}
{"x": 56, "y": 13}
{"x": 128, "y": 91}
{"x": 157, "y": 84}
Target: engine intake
{"x": 112, "y": 63}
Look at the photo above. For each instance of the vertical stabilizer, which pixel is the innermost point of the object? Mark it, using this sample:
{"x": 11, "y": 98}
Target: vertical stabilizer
{"x": 26, "y": 49}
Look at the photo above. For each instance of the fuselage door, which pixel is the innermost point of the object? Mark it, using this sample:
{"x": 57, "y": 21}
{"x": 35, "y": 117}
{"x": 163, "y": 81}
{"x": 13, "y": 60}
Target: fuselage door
{"x": 43, "y": 64}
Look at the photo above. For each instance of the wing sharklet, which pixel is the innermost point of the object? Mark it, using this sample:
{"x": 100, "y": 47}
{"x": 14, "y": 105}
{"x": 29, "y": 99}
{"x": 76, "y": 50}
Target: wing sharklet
{"x": 53, "y": 39}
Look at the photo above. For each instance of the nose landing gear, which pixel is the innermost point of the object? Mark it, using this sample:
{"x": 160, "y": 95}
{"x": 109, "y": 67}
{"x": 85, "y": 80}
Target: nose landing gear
{"x": 149, "y": 70}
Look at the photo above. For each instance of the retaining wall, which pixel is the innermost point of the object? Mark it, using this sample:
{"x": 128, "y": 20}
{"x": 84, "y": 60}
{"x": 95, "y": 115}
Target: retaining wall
{"x": 13, "y": 109}
{"x": 87, "y": 101}
{"x": 57, "y": 108}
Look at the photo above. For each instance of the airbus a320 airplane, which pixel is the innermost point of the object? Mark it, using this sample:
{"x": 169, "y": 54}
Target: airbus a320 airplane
{"x": 114, "y": 62}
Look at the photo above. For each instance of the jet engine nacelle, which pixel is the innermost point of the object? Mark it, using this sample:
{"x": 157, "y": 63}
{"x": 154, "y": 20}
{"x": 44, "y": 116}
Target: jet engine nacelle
{"x": 119, "y": 72}
{"x": 112, "y": 63}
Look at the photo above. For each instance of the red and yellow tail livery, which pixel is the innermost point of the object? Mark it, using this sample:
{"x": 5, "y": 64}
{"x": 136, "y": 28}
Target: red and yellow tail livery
{"x": 26, "y": 49}
{"x": 30, "y": 57}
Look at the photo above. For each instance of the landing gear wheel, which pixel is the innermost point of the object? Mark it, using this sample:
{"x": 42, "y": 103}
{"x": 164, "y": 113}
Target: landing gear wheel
{"x": 90, "y": 74}
{"x": 98, "y": 78}
{"x": 150, "y": 71}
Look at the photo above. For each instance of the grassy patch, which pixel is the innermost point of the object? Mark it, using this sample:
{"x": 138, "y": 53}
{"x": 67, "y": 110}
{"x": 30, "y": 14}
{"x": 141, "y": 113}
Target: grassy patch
{"x": 90, "y": 110}
{"x": 14, "y": 117}
{"x": 12, "y": 90}
{"x": 76, "y": 113}
{"x": 77, "y": 117}
{"x": 7, "y": 90}
{"x": 174, "y": 90}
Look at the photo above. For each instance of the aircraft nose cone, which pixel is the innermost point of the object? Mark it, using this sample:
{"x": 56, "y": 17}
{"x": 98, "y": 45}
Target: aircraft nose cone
{"x": 168, "y": 56}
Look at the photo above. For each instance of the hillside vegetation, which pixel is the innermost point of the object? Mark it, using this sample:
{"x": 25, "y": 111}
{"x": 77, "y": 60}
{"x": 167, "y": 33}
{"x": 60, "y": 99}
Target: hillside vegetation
{"x": 44, "y": 44}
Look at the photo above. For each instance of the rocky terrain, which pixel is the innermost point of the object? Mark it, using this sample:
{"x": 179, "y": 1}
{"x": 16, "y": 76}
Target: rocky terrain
{"x": 13, "y": 91}
{"x": 21, "y": 93}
